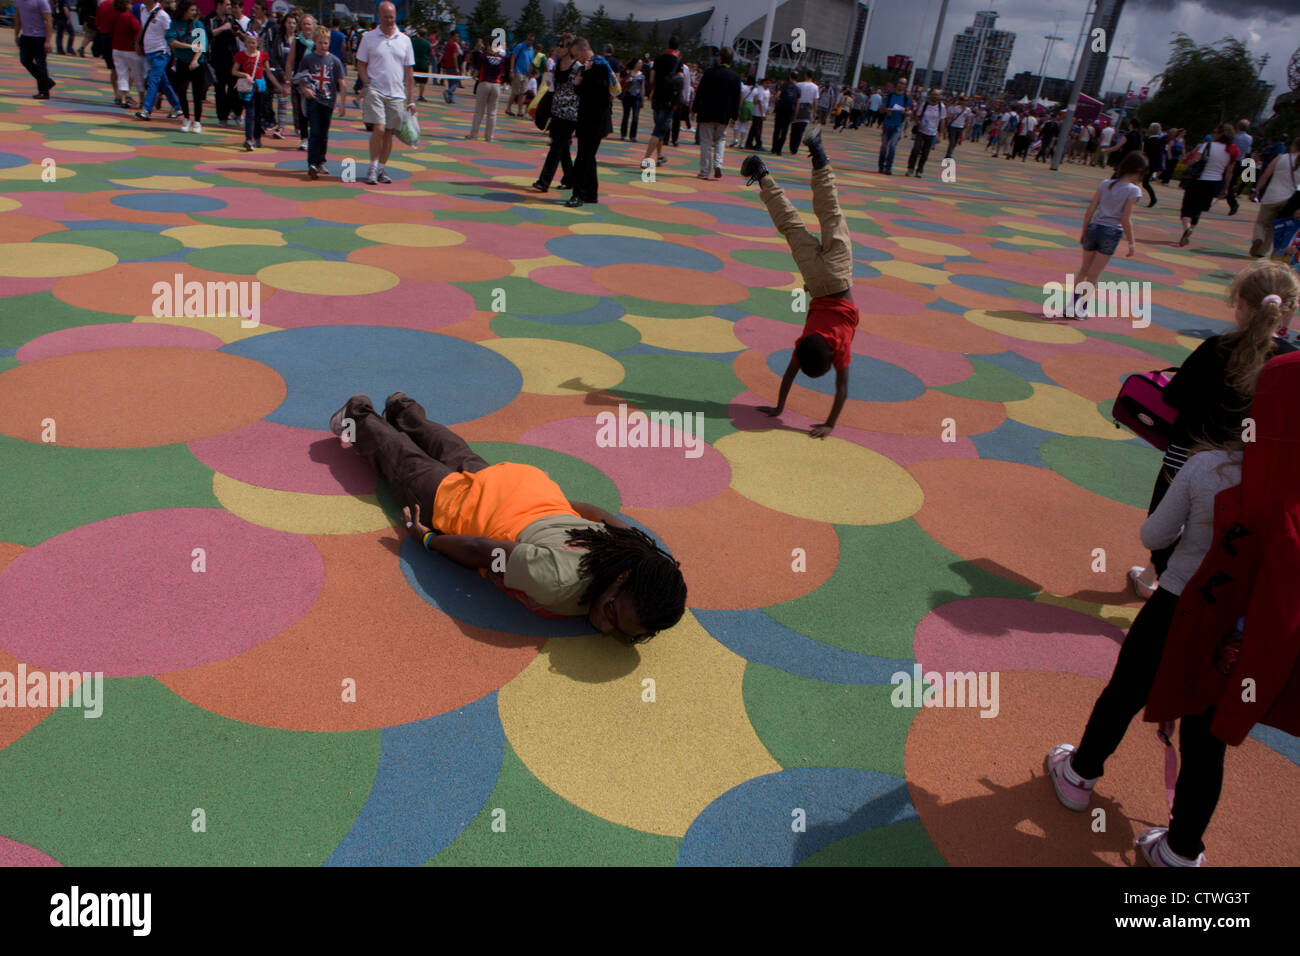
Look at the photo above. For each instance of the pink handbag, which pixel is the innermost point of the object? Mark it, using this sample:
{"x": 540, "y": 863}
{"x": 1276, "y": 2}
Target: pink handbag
{"x": 1140, "y": 407}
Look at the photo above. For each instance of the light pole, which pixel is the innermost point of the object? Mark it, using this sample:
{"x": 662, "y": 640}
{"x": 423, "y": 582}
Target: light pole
{"x": 1042, "y": 70}
{"x": 767, "y": 41}
{"x": 1098, "y": 18}
{"x": 934, "y": 46}
{"x": 979, "y": 54}
{"x": 1083, "y": 30}
{"x": 862, "y": 48}
{"x": 1115, "y": 80}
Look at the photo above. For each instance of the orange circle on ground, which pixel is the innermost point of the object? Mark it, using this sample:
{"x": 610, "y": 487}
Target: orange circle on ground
{"x": 932, "y": 329}
{"x": 446, "y": 264}
{"x": 1095, "y": 377}
{"x": 979, "y": 788}
{"x": 714, "y": 540}
{"x": 1030, "y": 525}
{"x": 409, "y": 660}
{"x": 655, "y": 212}
{"x": 669, "y": 284}
{"x": 137, "y": 397}
{"x": 18, "y": 227}
{"x": 130, "y": 290}
{"x": 357, "y": 213}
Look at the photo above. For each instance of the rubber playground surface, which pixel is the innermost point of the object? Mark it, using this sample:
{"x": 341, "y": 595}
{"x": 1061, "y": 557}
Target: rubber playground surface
{"x": 324, "y": 692}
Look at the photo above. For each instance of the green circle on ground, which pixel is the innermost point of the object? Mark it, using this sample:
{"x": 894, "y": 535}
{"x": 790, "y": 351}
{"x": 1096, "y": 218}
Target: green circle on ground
{"x": 246, "y": 260}
{"x": 126, "y": 244}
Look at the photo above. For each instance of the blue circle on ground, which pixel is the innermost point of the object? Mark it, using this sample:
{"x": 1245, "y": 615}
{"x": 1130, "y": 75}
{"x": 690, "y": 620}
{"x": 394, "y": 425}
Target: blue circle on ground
{"x": 924, "y": 225}
{"x": 1123, "y": 264}
{"x": 606, "y": 310}
{"x": 869, "y": 254}
{"x": 168, "y": 202}
{"x": 596, "y": 251}
{"x": 749, "y": 825}
{"x": 870, "y": 380}
{"x": 731, "y": 214}
{"x": 322, "y": 366}
{"x": 503, "y": 164}
{"x": 989, "y": 285}
{"x": 12, "y": 161}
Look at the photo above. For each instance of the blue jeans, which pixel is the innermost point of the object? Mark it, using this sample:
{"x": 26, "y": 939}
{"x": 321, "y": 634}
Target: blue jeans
{"x": 452, "y": 87}
{"x": 888, "y": 143}
{"x": 158, "y": 80}
{"x": 253, "y": 116}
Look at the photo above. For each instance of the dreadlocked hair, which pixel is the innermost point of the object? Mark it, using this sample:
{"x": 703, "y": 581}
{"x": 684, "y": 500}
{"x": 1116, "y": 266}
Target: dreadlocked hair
{"x": 654, "y": 576}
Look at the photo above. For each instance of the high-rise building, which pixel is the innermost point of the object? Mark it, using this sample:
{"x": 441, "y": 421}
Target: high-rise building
{"x": 979, "y": 58}
{"x": 1092, "y": 80}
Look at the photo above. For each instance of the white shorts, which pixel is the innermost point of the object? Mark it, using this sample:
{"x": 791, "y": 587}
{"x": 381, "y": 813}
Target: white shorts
{"x": 381, "y": 110}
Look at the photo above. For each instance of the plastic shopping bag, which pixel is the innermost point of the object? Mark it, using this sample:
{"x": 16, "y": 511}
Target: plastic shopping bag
{"x": 409, "y": 133}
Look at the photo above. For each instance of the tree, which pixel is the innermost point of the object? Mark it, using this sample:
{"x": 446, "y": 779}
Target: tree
{"x": 599, "y": 29}
{"x": 531, "y": 20}
{"x": 629, "y": 36}
{"x": 567, "y": 19}
{"x": 487, "y": 16}
{"x": 440, "y": 15}
{"x": 1204, "y": 86}
{"x": 656, "y": 41}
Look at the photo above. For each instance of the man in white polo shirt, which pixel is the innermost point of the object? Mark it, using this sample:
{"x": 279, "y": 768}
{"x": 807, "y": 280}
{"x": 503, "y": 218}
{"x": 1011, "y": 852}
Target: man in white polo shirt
{"x": 386, "y": 67}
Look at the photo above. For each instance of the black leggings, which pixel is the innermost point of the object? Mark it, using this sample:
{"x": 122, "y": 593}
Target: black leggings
{"x": 558, "y": 155}
{"x": 1146, "y": 184}
{"x": 1198, "y": 197}
{"x": 1200, "y": 777}
{"x": 183, "y": 79}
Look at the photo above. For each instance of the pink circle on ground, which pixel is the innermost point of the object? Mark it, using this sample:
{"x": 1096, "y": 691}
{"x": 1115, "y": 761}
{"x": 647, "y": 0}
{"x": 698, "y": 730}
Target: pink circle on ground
{"x": 119, "y": 595}
{"x": 48, "y": 205}
{"x": 524, "y": 241}
{"x": 284, "y": 458}
{"x": 575, "y": 279}
{"x": 646, "y": 477}
{"x": 884, "y": 302}
{"x": 13, "y": 853}
{"x": 903, "y": 450}
{"x": 115, "y": 335}
{"x": 993, "y": 634}
{"x": 757, "y": 278}
{"x": 15, "y": 286}
{"x": 411, "y": 304}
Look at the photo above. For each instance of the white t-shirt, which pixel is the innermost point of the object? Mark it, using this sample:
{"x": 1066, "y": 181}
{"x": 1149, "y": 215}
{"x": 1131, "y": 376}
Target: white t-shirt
{"x": 155, "y": 38}
{"x": 1031, "y": 124}
{"x": 1186, "y": 515}
{"x": 876, "y": 100}
{"x": 1283, "y": 181}
{"x": 385, "y": 59}
{"x": 688, "y": 91}
{"x": 1112, "y": 195}
{"x": 959, "y": 121}
{"x": 930, "y": 116}
{"x": 1217, "y": 164}
{"x": 808, "y": 92}
{"x": 1107, "y": 136}
{"x": 760, "y": 101}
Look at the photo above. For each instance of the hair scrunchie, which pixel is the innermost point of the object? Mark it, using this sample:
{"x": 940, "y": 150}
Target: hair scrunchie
{"x": 1271, "y": 300}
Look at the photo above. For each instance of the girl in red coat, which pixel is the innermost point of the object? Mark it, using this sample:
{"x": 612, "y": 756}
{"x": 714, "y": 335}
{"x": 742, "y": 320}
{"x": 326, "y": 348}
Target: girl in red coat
{"x": 1217, "y": 643}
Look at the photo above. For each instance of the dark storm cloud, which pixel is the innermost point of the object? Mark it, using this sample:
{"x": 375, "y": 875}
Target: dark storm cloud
{"x": 1243, "y": 9}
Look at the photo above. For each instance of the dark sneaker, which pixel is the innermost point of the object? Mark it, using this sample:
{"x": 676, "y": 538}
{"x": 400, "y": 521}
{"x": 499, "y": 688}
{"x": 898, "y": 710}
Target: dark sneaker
{"x": 312, "y": 172}
{"x": 383, "y": 177}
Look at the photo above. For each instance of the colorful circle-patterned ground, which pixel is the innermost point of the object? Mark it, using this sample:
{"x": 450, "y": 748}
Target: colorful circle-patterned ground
{"x": 178, "y": 517}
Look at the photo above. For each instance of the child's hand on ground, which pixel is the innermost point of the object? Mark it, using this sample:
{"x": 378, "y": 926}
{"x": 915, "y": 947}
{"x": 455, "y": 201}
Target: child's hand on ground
{"x": 821, "y": 431}
{"x": 1132, "y": 249}
{"x": 413, "y": 525}
{"x": 769, "y": 410}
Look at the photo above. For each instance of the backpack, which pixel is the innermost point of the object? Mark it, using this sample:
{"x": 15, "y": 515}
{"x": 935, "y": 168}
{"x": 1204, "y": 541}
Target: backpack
{"x": 789, "y": 97}
{"x": 676, "y": 83}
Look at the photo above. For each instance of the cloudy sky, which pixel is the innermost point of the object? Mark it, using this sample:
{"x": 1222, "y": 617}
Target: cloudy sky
{"x": 1146, "y": 27}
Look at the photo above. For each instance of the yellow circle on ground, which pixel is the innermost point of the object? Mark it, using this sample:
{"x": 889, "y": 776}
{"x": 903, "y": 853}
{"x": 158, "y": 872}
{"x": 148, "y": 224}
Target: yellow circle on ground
{"x": 524, "y": 267}
{"x": 1024, "y": 326}
{"x": 932, "y": 246}
{"x": 612, "y": 229}
{"x": 1218, "y": 289}
{"x": 662, "y": 185}
{"x": 327, "y": 278}
{"x": 558, "y": 368}
{"x": 228, "y": 328}
{"x": 1188, "y": 259}
{"x": 410, "y": 234}
{"x": 298, "y": 512}
{"x": 911, "y": 272}
{"x": 208, "y": 237}
{"x": 1118, "y": 614}
{"x": 706, "y": 333}
{"x": 1028, "y": 241}
{"x": 652, "y": 766}
{"x": 769, "y": 240}
{"x": 93, "y": 119}
{"x": 38, "y": 260}
{"x": 13, "y": 127}
{"x": 1034, "y": 228}
{"x": 1189, "y": 341}
{"x": 87, "y": 146}
{"x": 786, "y": 471}
{"x": 8, "y": 205}
{"x": 1055, "y": 409}
{"x": 35, "y": 171}
{"x": 164, "y": 183}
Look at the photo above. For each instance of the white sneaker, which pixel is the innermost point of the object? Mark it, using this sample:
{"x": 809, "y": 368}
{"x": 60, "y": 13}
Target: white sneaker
{"x": 197, "y": 127}
{"x": 185, "y": 126}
